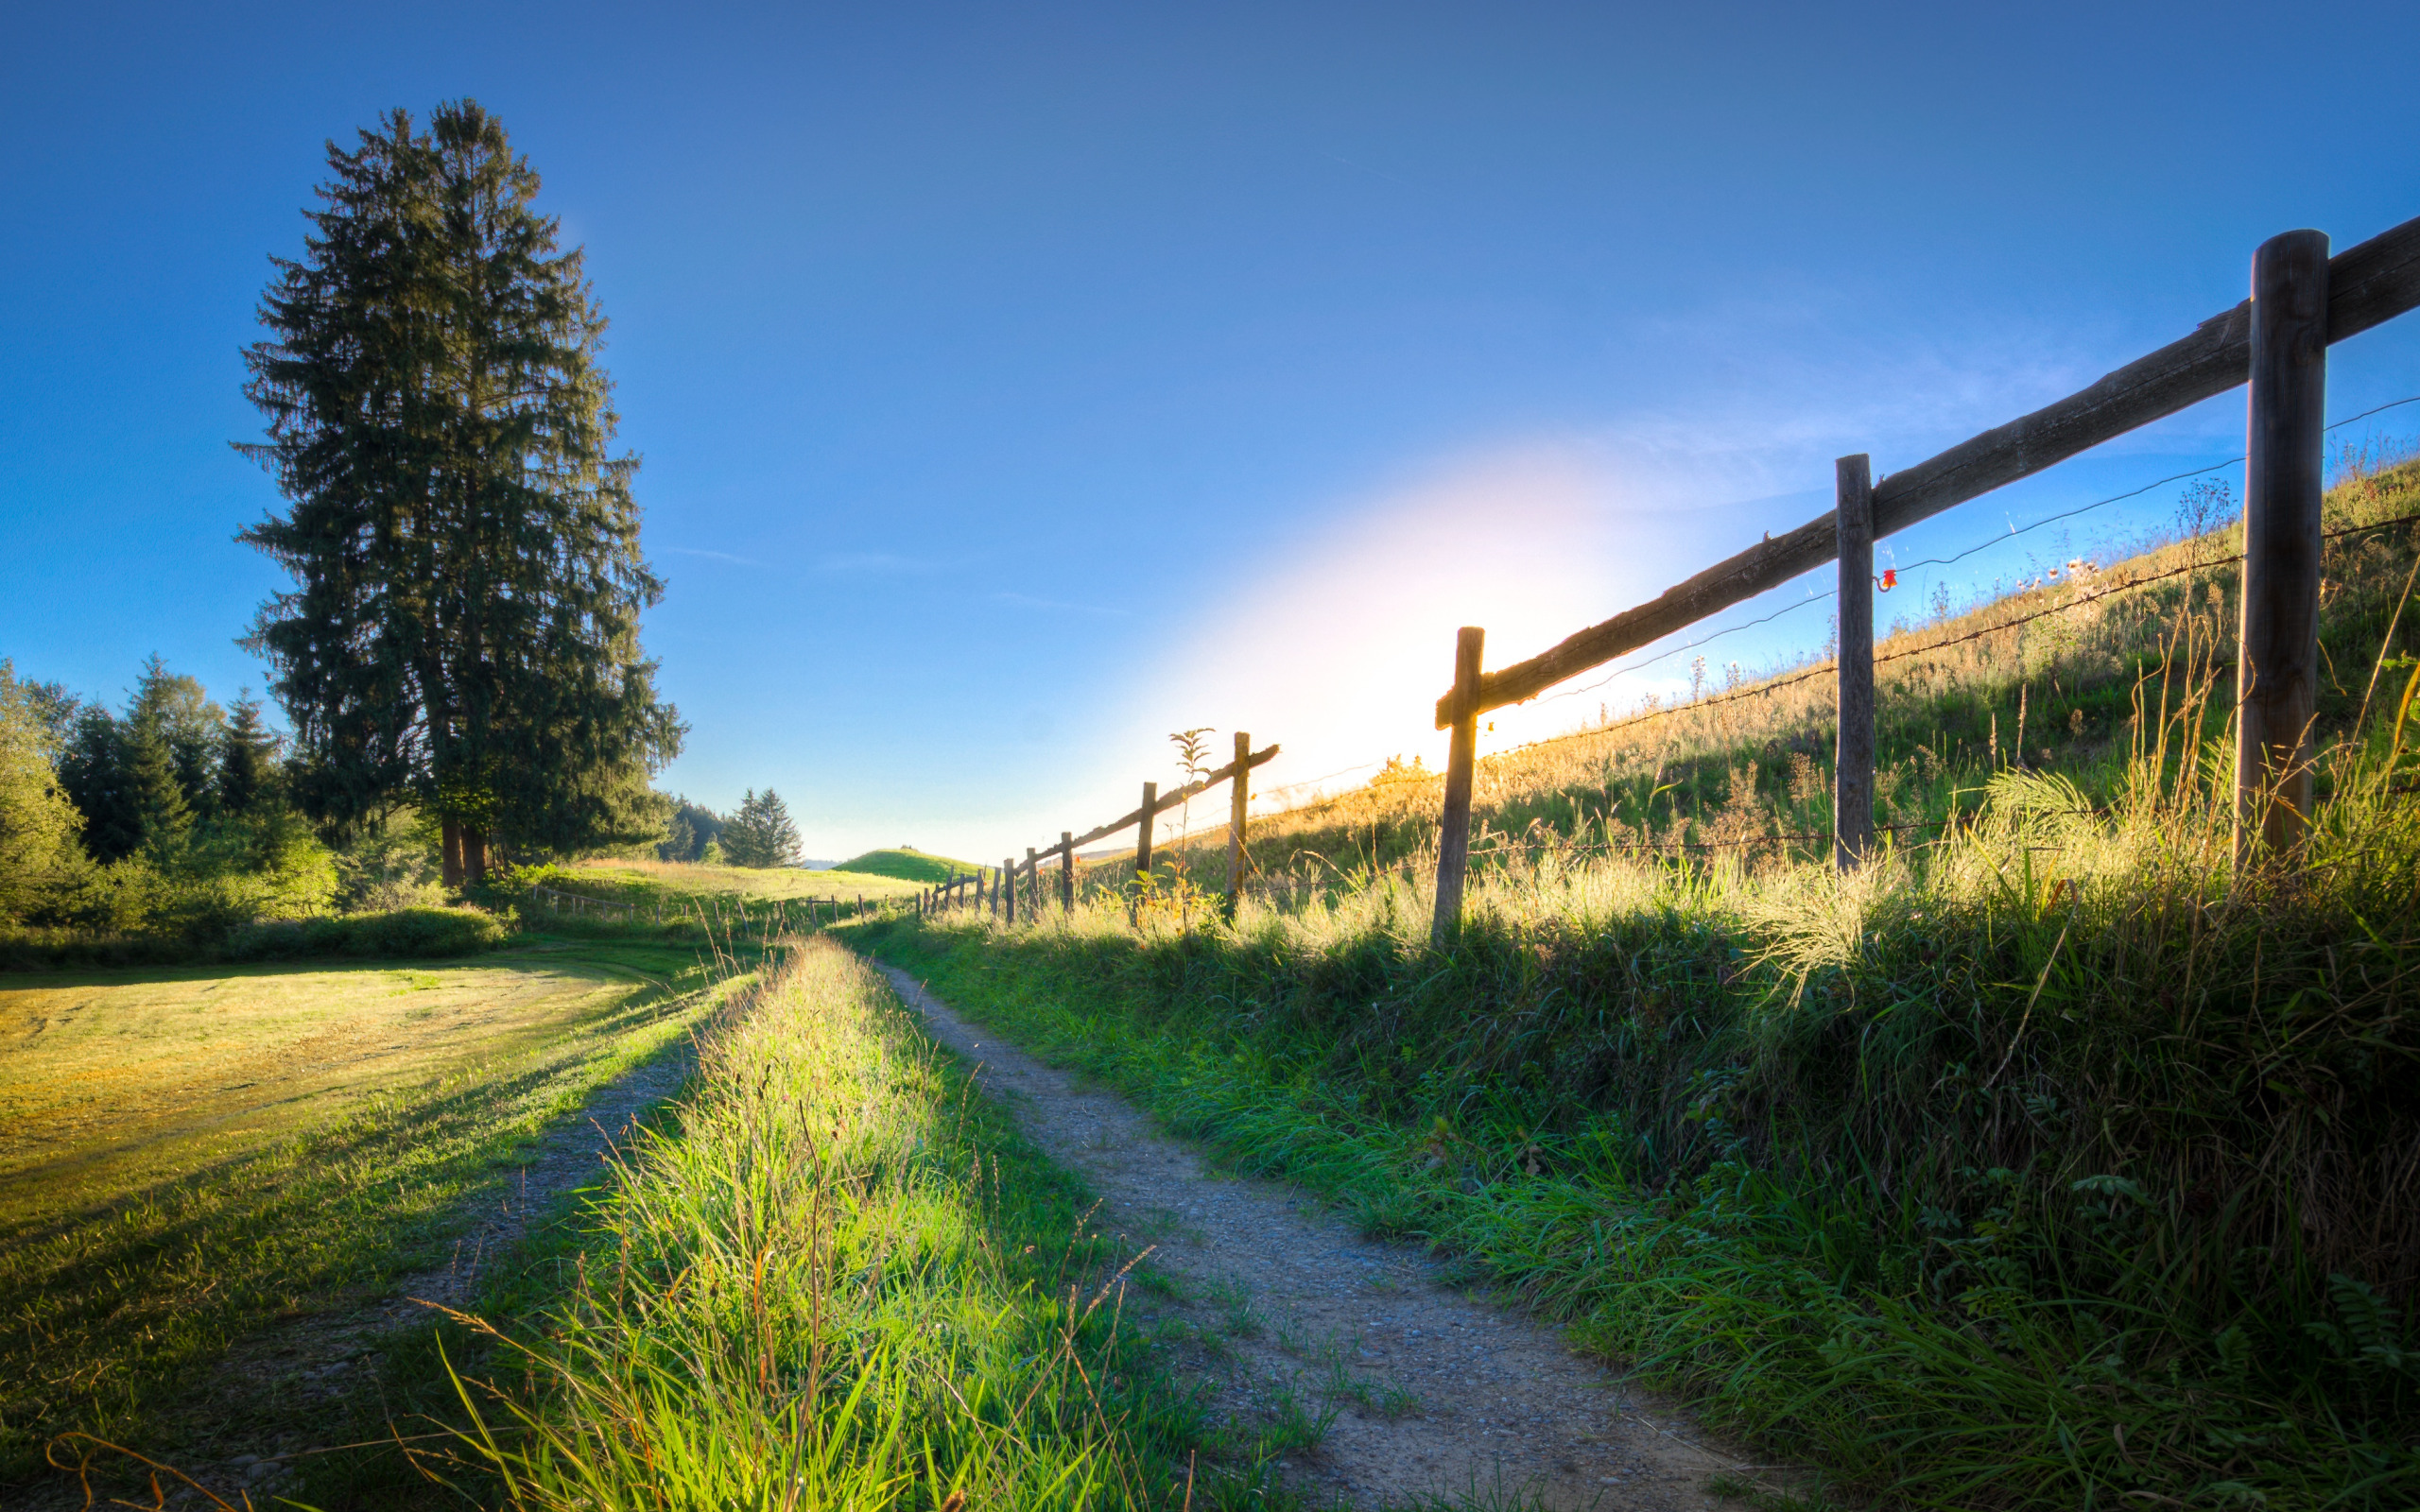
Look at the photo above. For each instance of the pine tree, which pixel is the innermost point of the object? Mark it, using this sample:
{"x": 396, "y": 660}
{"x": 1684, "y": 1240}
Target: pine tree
{"x": 761, "y": 833}
{"x": 93, "y": 770}
{"x": 247, "y": 759}
{"x": 464, "y": 627}
{"x": 176, "y": 712}
{"x": 163, "y": 817}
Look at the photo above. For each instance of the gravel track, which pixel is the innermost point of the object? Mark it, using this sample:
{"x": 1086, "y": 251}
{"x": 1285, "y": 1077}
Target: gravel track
{"x": 1438, "y": 1393}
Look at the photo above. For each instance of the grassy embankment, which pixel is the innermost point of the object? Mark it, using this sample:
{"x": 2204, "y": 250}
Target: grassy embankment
{"x": 2043, "y": 1165}
{"x": 909, "y": 865}
{"x": 679, "y": 880}
{"x": 834, "y": 1279}
{"x": 725, "y": 902}
{"x": 189, "y": 1156}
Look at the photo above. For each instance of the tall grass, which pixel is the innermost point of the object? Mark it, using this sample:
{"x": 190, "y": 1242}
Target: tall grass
{"x": 2052, "y": 1161}
{"x": 838, "y": 1283}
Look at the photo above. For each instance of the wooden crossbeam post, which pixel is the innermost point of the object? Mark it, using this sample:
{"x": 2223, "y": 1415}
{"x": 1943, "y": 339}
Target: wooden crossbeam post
{"x": 1853, "y": 752}
{"x": 2277, "y": 667}
{"x": 1142, "y": 831}
{"x": 1240, "y": 799}
{"x": 1067, "y": 871}
{"x": 1454, "y": 826}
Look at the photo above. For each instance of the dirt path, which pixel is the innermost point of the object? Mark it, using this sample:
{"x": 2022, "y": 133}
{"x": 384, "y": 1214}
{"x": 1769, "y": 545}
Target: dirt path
{"x": 1438, "y": 1393}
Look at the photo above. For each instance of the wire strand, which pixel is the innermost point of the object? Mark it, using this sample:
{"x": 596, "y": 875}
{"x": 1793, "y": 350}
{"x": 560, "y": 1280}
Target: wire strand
{"x": 1831, "y": 665}
{"x": 2013, "y": 533}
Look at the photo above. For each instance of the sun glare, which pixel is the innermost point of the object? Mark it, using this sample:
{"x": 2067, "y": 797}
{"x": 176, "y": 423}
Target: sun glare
{"x": 1340, "y": 652}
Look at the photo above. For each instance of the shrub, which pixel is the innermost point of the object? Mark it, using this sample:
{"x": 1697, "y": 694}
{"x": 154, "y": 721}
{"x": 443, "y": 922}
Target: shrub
{"x": 408, "y": 933}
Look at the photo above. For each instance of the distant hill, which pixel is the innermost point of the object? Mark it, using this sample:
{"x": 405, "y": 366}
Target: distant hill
{"x": 907, "y": 864}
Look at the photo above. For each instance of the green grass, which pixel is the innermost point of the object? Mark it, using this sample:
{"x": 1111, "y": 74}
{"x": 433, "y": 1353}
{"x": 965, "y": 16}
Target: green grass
{"x": 2045, "y": 1168}
{"x": 835, "y": 1279}
{"x": 188, "y": 1155}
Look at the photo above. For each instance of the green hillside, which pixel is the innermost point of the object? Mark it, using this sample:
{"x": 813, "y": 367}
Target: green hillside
{"x": 907, "y": 864}
{"x": 2050, "y": 1161}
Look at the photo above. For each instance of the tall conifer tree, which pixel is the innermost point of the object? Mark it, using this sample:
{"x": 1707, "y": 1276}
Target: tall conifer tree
{"x": 464, "y": 627}
{"x": 247, "y": 759}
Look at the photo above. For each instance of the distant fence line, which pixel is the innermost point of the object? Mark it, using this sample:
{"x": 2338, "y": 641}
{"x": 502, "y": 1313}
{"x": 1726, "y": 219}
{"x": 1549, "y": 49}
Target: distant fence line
{"x": 1019, "y": 884}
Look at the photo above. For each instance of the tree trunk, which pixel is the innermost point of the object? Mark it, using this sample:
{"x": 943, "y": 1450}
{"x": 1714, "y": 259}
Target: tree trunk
{"x": 451, "y": 848}
{"x": 475, "y": 857}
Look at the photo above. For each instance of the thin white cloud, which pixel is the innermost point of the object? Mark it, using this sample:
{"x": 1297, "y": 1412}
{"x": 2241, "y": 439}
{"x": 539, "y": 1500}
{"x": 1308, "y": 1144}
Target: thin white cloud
{"x": 711, "y": 556}
{"x": 1060, "y": 606}
{"x": 873, "y": 562}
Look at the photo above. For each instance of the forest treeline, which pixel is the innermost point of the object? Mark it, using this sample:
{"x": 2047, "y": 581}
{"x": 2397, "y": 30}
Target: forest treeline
{"x": 174, "y": 815}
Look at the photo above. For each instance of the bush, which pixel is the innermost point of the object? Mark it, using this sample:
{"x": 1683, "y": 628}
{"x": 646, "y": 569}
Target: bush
{"x": 410, "y": 933}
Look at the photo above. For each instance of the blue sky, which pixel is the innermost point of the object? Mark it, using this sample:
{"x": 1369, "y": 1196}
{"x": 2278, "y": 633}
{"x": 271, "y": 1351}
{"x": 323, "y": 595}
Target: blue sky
{"x": 1019, "y": 384}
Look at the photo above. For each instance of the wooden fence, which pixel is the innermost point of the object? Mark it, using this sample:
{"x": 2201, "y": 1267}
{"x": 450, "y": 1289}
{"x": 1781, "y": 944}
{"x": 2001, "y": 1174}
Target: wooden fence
{"x": 1016, "y": 885}
{"x": 2302, "y": 301}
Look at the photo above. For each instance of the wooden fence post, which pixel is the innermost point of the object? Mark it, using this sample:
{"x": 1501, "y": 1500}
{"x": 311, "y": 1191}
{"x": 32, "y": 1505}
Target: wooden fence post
{"x": 1033, "y": 885}
{"x": 2276, "y": 664}
{"x": 1852, "y": 753}
{"x": 1454, "y": 826}
{"x": 1067, "y": 871}
{"x": 1239, "y": 797}
{"x": 1009, "y": 889}
{"x": 1143, "y": 835}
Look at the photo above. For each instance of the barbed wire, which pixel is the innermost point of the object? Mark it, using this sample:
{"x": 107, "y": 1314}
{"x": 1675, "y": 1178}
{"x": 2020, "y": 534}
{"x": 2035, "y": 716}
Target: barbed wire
{"x": 2013, "y": 531}
{"x": 2088, "y": 596}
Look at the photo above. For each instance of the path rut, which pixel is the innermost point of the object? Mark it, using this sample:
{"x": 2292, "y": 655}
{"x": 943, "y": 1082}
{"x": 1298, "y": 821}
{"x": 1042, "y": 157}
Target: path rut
{"x": 1498, "y": 1402}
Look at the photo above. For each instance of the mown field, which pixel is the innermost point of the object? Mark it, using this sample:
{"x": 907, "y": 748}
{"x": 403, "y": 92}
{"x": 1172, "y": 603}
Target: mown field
{"x": 2045, "y": 1163}
{"x": 191, "y": 1154}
